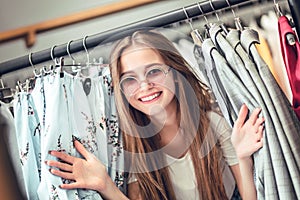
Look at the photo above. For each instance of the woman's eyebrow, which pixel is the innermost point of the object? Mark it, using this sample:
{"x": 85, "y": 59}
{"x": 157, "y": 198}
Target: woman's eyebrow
{"x": 127, "y": 72}
{"x": 152, "y": 64}
{"x": 145, "y": 66}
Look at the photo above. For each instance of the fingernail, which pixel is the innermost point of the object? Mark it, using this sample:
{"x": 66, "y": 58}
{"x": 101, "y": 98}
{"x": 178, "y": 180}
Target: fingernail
{"x": 50, "y": 170}
{"x": 49, "y": 152}
{"x": 46, "y": 162}
{"x": 74, "y": 138}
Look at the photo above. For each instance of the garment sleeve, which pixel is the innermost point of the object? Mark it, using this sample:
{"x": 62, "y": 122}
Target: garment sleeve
{"x": 223, "y": 132}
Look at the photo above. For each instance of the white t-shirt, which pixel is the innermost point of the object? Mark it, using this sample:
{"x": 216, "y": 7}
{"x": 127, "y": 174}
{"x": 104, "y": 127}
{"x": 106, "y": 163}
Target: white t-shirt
{"x": 182, "y": 172}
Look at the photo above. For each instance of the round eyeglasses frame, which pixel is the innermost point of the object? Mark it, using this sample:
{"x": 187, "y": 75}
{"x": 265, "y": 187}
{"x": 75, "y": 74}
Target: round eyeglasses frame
{"x": 131, "y": 88}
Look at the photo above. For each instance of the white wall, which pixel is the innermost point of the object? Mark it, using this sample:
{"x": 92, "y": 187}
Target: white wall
{"x": 15, "y": 14}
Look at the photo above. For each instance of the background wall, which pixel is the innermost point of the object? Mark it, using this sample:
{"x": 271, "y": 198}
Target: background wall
{"x": 15, "y": 14}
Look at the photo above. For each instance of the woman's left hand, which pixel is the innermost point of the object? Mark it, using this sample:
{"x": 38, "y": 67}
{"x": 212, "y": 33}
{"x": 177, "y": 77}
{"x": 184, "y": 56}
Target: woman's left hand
{"x": 247, "y": 134}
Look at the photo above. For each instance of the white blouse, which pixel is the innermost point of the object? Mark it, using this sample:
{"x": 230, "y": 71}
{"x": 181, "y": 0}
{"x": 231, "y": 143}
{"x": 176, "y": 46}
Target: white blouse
{"x": 182, "y": 172}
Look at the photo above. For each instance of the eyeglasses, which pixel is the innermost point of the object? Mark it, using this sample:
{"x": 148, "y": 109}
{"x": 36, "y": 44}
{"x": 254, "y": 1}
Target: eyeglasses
{"x": 154, "y": 74}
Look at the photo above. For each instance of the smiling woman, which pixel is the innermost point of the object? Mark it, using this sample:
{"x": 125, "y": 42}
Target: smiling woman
{"x": 176, "y": 146}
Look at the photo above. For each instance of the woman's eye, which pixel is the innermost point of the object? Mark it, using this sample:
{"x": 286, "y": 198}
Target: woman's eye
{"x": 129, "y": 80}
{"x": 154, "y": 72}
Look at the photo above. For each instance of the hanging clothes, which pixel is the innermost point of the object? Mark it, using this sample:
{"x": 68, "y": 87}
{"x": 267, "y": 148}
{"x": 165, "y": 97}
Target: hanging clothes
{"x": 28, "y": 137}
{"x": 247, "y": 79}
{"x": 284, "y": 143}
{"x": 212, "y": 76}
{"x": 12, "y": 180}
{"x": 291, "y": 57}
{"x": 62, "y": 108}
{"x": 268, "y": 29}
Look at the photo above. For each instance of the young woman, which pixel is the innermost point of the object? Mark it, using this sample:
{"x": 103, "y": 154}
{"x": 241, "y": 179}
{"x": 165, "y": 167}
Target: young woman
{"x": 176, "y": 146}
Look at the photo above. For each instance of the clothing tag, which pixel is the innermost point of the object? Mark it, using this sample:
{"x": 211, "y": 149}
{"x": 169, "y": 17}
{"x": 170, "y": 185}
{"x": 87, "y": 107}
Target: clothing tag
{"x": 87, "y": 84}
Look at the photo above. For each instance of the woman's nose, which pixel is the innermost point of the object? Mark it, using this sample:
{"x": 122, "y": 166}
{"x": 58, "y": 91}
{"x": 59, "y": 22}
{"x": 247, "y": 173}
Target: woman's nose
{"x": 145, "y": 84}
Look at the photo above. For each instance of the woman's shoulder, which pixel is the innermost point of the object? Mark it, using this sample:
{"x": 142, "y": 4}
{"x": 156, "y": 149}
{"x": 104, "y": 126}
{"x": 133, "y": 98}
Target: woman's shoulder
{"x": 214, "y": 116}
{"x": 217, "y": 122}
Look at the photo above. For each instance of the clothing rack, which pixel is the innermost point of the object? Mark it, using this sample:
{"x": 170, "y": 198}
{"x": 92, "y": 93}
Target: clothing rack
{"x": 105, "y": 37}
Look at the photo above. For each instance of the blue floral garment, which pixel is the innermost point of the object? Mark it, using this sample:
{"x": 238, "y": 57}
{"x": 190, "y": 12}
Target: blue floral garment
{"x": 28, "y": 138}
{"x": 56, "y": 135}
{"x": 111, "y": 126}
{"x": 65, "y": 108}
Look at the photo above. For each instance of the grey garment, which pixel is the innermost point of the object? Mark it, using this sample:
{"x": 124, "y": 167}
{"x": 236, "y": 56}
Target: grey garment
{"x": 215, "y": 82}
{"x": 284, "y": 148}
{"x": 237, "y": 92}
{"x": 9, "y": 149}
{"x": 276, "y": 168}
{"x": 252, "y": 79}
{"x": 248, "y": 91}
{"x": 198, "y": 54}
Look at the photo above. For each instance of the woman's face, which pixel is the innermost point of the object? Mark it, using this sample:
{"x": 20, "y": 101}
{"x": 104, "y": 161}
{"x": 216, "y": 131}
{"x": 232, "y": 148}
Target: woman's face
{"x": 146, "y": 81}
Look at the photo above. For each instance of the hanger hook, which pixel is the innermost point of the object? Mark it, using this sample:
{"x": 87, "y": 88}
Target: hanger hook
{"x": 31, "y": 63}
{"x": 30, "y": 60}
{"x": 188, "y": 18}
{"x": 231, "y": 9}
{"x": 199, "y": 6}
{"x": 55, "y": 60}
{"x": 277, "y": 9}
{"x": 1, "y": 83}
{"x": 214, "y": 10}
{"x": 85, "y": 48}
{"x": 68, "y": 51}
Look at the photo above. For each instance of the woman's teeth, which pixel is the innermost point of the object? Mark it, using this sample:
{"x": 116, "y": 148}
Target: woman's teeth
{"x": 149, "y": 98}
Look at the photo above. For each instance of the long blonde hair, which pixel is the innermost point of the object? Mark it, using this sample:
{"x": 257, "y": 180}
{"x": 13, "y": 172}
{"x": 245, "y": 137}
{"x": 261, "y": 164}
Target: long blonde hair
{"x": 154, "y": 181}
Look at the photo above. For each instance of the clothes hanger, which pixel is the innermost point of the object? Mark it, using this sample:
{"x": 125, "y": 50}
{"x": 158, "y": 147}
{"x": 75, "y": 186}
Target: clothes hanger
{"x": 277, "y": 9}
{"x": 196, "y": 35}
{"x": 75, "y": 67}
{"x": 220, "y": 23}
{"x": 54, "y": 59}
{"x": 87, "y": 83}
{"x": 237, "y": 20}
{"x": 33, "y": 67}
{"x": 6, "y": 94}
{"x": 207, "y": 25}
{"x": 58, "y": 63}
{"x": 290, "y": 37}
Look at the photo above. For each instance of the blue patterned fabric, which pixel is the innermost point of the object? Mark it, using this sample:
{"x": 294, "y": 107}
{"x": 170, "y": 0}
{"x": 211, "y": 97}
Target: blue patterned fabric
{"x": 28, "y": 138}
{"x": 67, "y": 107}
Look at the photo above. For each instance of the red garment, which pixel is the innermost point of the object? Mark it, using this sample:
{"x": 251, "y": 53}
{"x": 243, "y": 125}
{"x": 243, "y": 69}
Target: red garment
{"x": 291, "y": 57}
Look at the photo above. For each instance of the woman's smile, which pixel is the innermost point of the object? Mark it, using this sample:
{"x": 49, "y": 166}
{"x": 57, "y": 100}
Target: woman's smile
{"x": 150, "y": 98}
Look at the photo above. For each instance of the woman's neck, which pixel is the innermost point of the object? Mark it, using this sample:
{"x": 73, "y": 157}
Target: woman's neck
{"x": 171, "y": 136}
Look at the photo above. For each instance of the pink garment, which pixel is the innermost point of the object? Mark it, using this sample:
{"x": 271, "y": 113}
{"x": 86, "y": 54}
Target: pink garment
{"x": 291, "y": 57}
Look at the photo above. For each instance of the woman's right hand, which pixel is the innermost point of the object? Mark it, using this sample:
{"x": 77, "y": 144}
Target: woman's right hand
{"x": 87, "y": 172}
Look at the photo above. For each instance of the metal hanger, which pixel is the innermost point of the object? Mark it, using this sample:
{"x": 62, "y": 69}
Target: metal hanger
{"x": 237, "y": 20}
{"x": 86, "y": 50}
{"x": 196, "y": 35}
{"x": 69, "y": 54}
{"x": 277, "y": 9}
{"x": 32, "y": 65}
{"x": 220, "y": 23}
{"x": 207, "y": 25}
{"x": 75, "y": 67}
{"x": 6, "y": 94}
{"x": 290, "y": 37}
